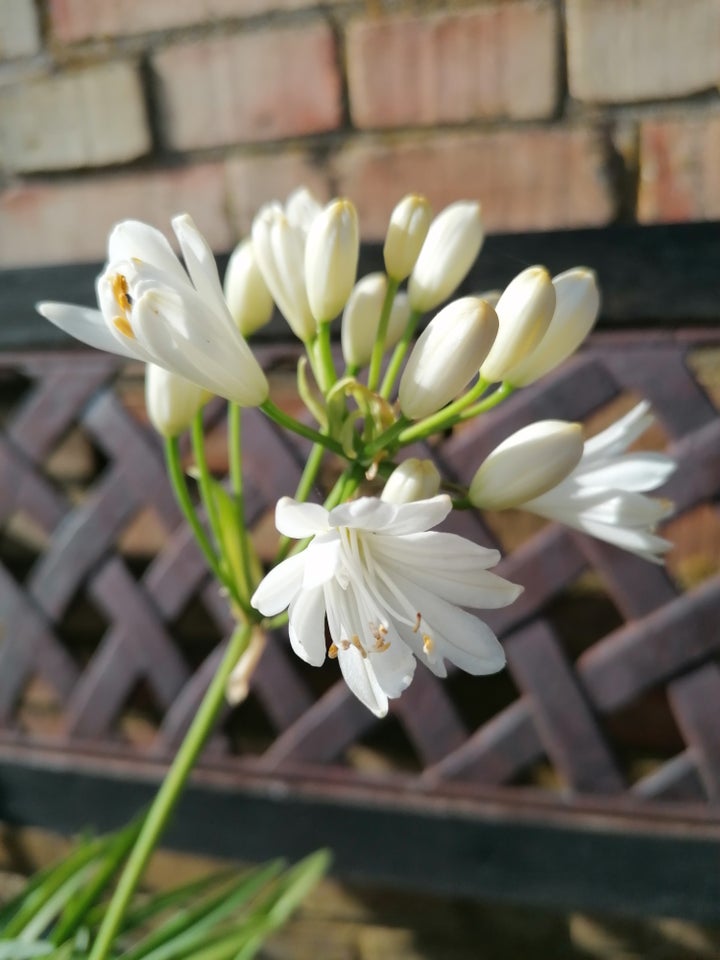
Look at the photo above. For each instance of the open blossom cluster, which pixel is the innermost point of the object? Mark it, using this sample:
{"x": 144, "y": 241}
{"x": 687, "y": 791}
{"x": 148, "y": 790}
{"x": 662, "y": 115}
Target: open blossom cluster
{"x": 371, "y": 582}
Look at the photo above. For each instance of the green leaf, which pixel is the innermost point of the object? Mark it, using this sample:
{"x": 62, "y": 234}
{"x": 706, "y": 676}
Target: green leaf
{"x": 20, "y": 950}
{"x": 75, "y": 913}
{"x": 230, "y": 534}
{"x": 188, "y": 930}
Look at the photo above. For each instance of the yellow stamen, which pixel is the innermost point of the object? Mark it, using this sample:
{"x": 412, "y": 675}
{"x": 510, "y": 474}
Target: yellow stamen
{"x": 332, "y": 651}
{"x": 123, "y": 325}
{"x": 119, "y": 287}
{"x": 418, "y": 618}
{"x": 428, "y": 643}
{"x": 358, "y": 646}
{"x": 381, "y": 645}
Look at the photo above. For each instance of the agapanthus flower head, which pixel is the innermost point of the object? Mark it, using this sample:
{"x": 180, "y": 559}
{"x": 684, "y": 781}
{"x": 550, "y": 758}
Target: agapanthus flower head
{"x": 152, "y": 309}
{"x": 604, "y": 495}
{"x": 391, "y": 589}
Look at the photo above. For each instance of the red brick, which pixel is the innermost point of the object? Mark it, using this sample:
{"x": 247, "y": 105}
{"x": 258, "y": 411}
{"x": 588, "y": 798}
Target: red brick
{"x": 255, "y": 180}
{"x": 621, "y": 51}
{"x": 19, "y": 29}
{"x": 526, "y": 179}
{"x": 73, "y": 20}
{"x": 679, "y": 170}
{"x": 254, "y": 86}
{"x": 497, "y": 61}
{"x": 68, "y": 221}
{"x": 87, "y": 117}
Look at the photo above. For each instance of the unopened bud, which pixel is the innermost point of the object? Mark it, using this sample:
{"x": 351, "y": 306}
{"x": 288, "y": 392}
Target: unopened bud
{"x": 524, "y": 312}
{"x": 331, "y": 258}
{"x": 247, "y": 294}
{"x": 529, "y": 463}
{"x": 362, "y": 315}
{"x": 577, "y": 302}
{"x": 447, "y": 356}
{"x": 408, "y": 227}
{"x": 280, "y": 253}
{"x": 451, "y": 246}
{"x": 412, "y": 480}
{"x": 171, "y": 400}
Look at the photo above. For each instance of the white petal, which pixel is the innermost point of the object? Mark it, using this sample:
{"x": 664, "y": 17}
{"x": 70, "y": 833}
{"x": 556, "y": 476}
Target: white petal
{"x": 280, "y": 586}
{"x": 85, "y": 324}
{"x": 624, "y": 509}
{"x": 323, "y": 560}
{"x": 307, "y": 626}
{"x": 360, "y": 677}
{"x": 644, "y": 544}
{"x": 201, "y": 265}
{"x": 633, "y": 471}
{"x": 134, "y": 240}
{"x": 419, "y": 516}
{"x": 300, "y": 520}
{"x": 619, "y": 435}
{"x": 366, "y": 513}
{"x": 393, "y": 667}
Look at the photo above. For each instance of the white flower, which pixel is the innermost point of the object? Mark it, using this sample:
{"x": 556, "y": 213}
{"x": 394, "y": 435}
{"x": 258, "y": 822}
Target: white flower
{"x": 331, "y": 258}
{"x": 250, "y": 301}
{"x": 524, "y": 311}
{"x": 450, "y": 248}
{"x": 361, "y": 318}
{"x": 412, "y": 480}
{"x": 447, "y": 355}
{"x": 408, "y": 227}
{"x": 171, "y": 400}
{"x": 151, "y": 310}
{"x": 604, "y": 495}
{"x": 279, "y": 238}
{"x": 530, "y": 462}
{"x": 391, "y": 592}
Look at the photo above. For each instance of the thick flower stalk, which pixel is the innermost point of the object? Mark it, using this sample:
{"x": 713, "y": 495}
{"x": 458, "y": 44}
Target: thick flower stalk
{"x": 604, "y": 495}
{"x": 392, "y": 591}
{"x": 151, "y": 309}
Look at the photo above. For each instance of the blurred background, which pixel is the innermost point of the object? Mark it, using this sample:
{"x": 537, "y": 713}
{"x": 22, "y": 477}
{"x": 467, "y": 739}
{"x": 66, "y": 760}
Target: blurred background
{"x": 554, "y": 114}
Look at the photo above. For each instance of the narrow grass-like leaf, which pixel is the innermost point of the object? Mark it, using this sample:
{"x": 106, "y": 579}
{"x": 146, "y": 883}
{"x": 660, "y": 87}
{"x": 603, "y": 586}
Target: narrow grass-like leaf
{"x": 49, "y": 882}
{"x": 188, "y": 930}
{"x": 19, "y": 950}
{"x": 75, "y": 913}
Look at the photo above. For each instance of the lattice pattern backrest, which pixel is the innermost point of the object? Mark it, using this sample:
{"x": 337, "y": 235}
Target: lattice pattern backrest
{"x": 110, "y": 624}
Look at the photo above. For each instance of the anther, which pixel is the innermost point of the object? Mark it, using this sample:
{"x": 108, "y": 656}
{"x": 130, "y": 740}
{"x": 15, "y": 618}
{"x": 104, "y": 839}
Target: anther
{"x": 119, "y": 287}
{"x": 332, "y": 651}
{"x": 123, "y": 325}
{"x": 428, "y": 644}
{"x": 358, "y": 646}
{"x": 418, "y": 619}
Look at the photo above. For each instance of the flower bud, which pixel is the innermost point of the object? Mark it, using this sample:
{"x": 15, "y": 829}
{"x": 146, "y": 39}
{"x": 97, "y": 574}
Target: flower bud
{"x": 171, "y": 400}
{"x": 524, "y": 312}
{"x": 412, "y": 480}
{"x": 577, "y": 302}
{"x": 408, "y": 227}
{"x": 246, "y": 292}
{"x": 529, "y": 463}
{"x": 361, "y": 318}
{"x": 301, "y": 208}
{"x": 280, "y": 253}
{"x": 446, "y": 356}
{"x": 490, "y": 296}
{"x": 451, "y": 246}
{"x": 331, "y": 258}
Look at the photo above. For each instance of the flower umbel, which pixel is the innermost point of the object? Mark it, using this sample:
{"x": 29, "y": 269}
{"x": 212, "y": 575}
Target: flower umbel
{"x": 392, "y": 590}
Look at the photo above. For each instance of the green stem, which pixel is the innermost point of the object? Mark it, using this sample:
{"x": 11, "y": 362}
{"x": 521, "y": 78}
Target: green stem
{"x": 494, "y": 400}
{"x": 237, "y": 486}
{"x": 309, "y": 475}
{"x": 379, "y": 345}
{"x": 399, "y": 354}
{"x": 204, "y": 479}
{"x": 386, "y": 438}
{"x": 325, "y": 362}
{"x": 444, "y": 418}
{"x": 168, "y": 795}
{"x": 182, "y": 495}
{"x": 290, "y": 423}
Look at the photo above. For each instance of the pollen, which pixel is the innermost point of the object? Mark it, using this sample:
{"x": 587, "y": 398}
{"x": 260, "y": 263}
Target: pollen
{"x": 358, "y": 646}
{"x": 428, "y": 643}
{"x": 119, "y": 287}
{"x": 123, "y": 325}
{"x": 332, "y": 651}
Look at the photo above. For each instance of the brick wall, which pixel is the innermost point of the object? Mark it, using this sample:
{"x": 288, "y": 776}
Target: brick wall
{"x": 554, "y": 114}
